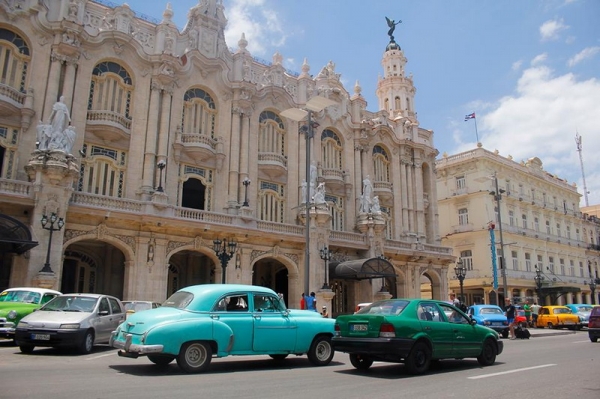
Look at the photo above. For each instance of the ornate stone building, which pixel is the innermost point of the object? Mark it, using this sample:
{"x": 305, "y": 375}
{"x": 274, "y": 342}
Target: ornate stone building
{"x": 167, "y": 141}
{"x": 544, "y": 232}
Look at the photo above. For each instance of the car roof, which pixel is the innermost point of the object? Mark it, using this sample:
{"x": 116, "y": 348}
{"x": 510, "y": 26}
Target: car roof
{"x": 205, "y": 295}
{"x": 89, "y": 295}
{"x": 486, "y": 306}
{"x": 34, "y": 289}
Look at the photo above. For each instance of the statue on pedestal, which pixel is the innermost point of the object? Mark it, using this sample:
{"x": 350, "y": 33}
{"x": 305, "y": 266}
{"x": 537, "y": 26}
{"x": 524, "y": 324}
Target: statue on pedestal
{"x": 57, "y": 134}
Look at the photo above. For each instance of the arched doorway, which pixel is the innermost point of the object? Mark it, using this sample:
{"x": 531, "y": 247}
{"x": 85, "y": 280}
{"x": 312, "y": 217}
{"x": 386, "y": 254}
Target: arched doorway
{"x": 93, "y": 267}
{"x": 194, "y": 194}
{"x": 272, "y": 274}
{"x": 189, "y": 268}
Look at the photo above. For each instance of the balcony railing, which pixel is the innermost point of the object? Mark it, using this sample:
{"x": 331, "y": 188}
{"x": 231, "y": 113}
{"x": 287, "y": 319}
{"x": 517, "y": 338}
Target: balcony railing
{"x": 110, "y": 118}
{"x": 12, "y": 93}
{"x": 16, "y": 187}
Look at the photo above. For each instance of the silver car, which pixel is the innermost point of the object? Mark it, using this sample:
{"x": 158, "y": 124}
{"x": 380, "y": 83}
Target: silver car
{"x": 71, "y": 320}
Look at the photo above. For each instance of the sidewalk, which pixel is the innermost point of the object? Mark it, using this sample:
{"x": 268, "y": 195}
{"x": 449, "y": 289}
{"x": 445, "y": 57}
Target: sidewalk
{"x": 546, "y": 332}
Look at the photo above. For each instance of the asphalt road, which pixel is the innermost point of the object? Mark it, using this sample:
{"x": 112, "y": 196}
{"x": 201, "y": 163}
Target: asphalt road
{"x": 556, "y": 366}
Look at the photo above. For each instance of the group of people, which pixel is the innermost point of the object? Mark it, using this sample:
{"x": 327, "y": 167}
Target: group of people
{"x": 309, "y": 302}
{"x": 531, "y": 315}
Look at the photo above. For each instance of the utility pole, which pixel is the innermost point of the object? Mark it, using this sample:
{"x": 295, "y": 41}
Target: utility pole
{"x": 498, "y": 197}
{"x": 579, "y": 150}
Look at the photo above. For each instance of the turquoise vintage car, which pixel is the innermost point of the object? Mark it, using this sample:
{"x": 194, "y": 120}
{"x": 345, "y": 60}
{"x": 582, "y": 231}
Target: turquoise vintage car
{"x": 414, "y": 332}
{"x": 16, "y": 303}
{"x": 200, "y": 322}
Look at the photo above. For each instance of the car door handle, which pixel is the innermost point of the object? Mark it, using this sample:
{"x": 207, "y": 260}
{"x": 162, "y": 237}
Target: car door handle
{"x": 427, "y": 328}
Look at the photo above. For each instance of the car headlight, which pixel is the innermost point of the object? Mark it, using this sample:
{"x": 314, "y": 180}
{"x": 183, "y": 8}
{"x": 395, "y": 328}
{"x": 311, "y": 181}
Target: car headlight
{"x": 71, "y": 326}
{"x": 12, "y": 315}
{"x": 486, "y": 323}
{"x": 22, "y": 324}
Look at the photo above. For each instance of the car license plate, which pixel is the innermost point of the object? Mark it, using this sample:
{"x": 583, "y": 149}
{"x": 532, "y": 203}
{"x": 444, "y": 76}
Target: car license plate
{"x": 359, "y": 327}
{"x": 498, "y": 323}
{"x": 569, "y": 322}
{"x": 40, "y": 337}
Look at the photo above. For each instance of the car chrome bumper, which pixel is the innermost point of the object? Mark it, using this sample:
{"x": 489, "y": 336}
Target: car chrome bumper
{"x": 373, "y": 346}
{"x": 133, "y": 349}
{"x": 7, "y": 332}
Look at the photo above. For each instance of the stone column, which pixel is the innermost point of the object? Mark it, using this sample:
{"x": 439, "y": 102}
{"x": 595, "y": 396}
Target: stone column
{"x": 53, "y": 83}
{"x": 151, "y": 133}
{"x": 233, "y": 194}
{"x": 69, "y": 83}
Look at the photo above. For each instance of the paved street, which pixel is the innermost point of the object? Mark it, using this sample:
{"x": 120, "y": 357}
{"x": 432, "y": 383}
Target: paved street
{"x": 547, "y": 365}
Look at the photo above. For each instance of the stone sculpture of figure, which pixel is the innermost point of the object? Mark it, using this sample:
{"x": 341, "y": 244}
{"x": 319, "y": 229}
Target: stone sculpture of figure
{"x": 363, "y": 206}
{"x": 44, "y": 135}
{"x": 375, "y": 207}
{"x": 59, "y": 118}
{"x": 303, "y": 197}
{"x": 392, "y": 25}
{"x": 367, "y": 188}
{"x": 319, "y": 197}
{"x": 68, "y": 140}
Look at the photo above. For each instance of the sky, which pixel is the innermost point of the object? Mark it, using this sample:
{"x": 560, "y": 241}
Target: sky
{"x": 529, "y": 70}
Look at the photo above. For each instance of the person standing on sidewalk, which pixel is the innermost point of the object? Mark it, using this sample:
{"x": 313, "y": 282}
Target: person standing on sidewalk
{"x": 510, "y": 311}
{"x": 535, "y": 311}
{"x": 527, "y": 309}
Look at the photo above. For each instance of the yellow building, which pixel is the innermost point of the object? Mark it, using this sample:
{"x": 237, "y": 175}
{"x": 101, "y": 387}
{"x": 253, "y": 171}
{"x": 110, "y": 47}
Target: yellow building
{"x": 130, "y": 148}
{"x": 491, "y": 203}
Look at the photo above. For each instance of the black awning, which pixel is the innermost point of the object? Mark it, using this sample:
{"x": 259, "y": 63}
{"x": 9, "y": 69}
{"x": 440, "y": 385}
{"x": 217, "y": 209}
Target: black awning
{"x": 363, "y": 269}
{"x": 15, "y": 237}
{"x": 560, "y": 290}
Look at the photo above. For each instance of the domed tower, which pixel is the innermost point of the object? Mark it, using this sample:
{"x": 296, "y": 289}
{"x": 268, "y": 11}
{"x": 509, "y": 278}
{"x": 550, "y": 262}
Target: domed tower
{"x": 395, "y": 90}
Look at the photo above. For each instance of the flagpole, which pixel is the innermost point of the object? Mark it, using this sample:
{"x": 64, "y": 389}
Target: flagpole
{"x": 476, "y": 134}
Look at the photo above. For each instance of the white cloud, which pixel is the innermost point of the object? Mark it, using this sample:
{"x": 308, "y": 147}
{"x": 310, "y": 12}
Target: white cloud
{"x": 539, "y": 59}
{"x": 541, "y": 120}
{"x": 550, "y": 29}
{"x": 517, "y": 65}
{"x": 586, "y": 53}
{"x": 260, "y": 23}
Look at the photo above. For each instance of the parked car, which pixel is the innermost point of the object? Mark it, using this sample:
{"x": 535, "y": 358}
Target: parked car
{"x": 520, "y": 319}
{"x": 594, "y": 324}
{"x": 16, "y": 303}
{"x": 583, "y": 311}
{"x": 491, "y": 316}
{"x": 138, "y": 306}
{"x": 557, "y": 317}
{"x": 414, "y": 332}
{"x": 71, "y": 320}
{"x": 199, "y": 322}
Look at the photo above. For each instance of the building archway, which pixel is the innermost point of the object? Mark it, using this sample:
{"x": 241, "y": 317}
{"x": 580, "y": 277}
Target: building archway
{"x": 187, "y": 268}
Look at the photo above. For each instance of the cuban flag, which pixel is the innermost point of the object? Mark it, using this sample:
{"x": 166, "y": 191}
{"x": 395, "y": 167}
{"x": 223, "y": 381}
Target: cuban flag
{"x": 470, "y": 116}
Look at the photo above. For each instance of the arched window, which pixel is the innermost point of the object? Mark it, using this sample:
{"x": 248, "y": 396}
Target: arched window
{"x": 397, "y": 104}
{"x": 271, "y": 137}
{"x": 195, "y": 187}
{"x": 111, "y": 90}
{"x": 14, "y": 61}
{"x": 199, "y": 113}
{"x": 272, "y": 202}
{"x": 103, "y": 171}
{"x": 331, "y": 150}
{"x": 381, "y": 164}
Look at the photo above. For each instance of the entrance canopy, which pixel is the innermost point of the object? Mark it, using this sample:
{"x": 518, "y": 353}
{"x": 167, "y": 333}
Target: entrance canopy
{"x": 363, "y": 269}
{"x": 15, "y": 237}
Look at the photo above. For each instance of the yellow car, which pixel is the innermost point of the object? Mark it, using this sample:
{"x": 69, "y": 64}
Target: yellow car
{"x": 557, "y": 317}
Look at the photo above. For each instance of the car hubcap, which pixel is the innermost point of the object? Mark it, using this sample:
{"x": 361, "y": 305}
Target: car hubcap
{"x": 195, "y": 355}
{"x": 323, "y": 350}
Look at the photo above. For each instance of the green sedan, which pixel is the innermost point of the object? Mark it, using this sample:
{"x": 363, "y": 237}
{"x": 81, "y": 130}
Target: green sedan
{"x": 414, "y": 332}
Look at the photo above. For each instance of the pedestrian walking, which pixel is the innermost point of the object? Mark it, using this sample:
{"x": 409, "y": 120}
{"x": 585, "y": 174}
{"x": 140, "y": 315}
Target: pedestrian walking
{"x": 510, "y": 311}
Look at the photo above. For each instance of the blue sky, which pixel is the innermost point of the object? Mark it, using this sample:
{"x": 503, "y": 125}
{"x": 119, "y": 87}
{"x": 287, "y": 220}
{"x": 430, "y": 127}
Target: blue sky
{"x": 530, "y": 70}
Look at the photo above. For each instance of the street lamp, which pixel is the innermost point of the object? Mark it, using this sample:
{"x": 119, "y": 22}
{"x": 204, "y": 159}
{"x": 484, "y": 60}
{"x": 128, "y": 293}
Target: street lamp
{"x": 593, "y": 289}
{"x": 246, "y": 182}
{"x": 225, "y": 251}
{"x": 315, "y": 104}
{"x": 325, "y": 254}
{"x": 54, "y": 219}
{"x": 461, "y": 272}
{"x": 160, "y": 165}
{"x": 539, "y": 280}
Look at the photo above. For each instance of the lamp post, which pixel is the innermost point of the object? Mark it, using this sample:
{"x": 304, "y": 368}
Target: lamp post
{"x": 225, "y": 251}
{"x": 498, "y": 197}
{"x": 461, "y": 272}
{"x": 54, "y": 219}
{"x": 246, "y": 182}
{"x": 160, "y": 165}
{"x": 539, "y": 280}
{"x": 315, "y": 104}
{"x": 325, "y": 254}
{"x": 593, "y": 289}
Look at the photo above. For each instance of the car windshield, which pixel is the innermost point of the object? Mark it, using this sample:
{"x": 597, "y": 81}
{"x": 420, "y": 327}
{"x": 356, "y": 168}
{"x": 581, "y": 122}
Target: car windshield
{"x": 490, "y": 311}
{"x": 391, "y": 307}
{"x": 179, "y": 300}
{"x": 561, "y": 310}
{"x": 67, "y": 303}
{"x": 20, "y": 296}
{"x": 137, "y": 306}
{"x": 584, "y": 309}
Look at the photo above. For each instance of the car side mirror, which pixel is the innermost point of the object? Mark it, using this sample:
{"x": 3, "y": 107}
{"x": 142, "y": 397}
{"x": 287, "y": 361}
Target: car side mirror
{"x": 103, "y": 313}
